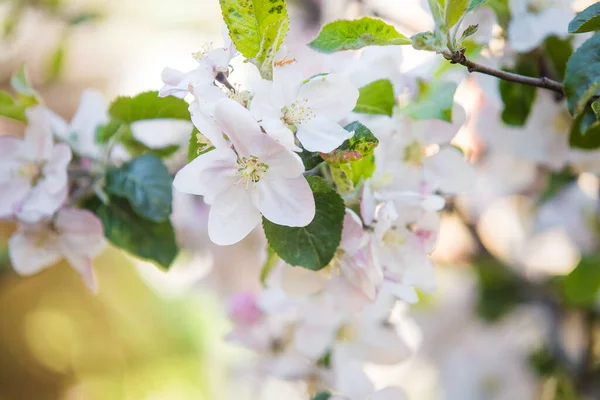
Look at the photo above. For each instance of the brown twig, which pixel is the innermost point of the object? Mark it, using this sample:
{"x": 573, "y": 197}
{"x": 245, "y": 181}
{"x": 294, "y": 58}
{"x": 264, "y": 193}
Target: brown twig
{"x": 458, "y": 57}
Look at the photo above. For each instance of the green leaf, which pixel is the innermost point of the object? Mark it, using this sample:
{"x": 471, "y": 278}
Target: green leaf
{"x": 142, "y": 238}
{"x": 133, "y": 146}
{"x": 518, "y": 99}
{"x": 556, "y": 182}
{"x": 148, "y": 105}
{"x": 20, "y": 83}
{"x": 558, "y": 52}
{"x": 429, "y": 41}
{"x": 269, "y": 264}
{"x": 322, "y": 396}
{"x": 314, "y": 245}
{"x": 56, "y": 63}
{"x": 310, "y": 160}
{"x": 586, "y": 21}
{"x": 582, "y": 79}
{"x": 359, "y": 145}
{"x": 596, "y": 109}
{"x": 255, "y": 26}
{"x": 470, "y": 31}
{"x": 197, "y": 145}
{"x": 347, "y": 176}
{"x": 10, "y": 108}
{"x": 84, "y": 18}
{"x": 435, "y": 100}
{"x": 146, "y": 183}
{"x": 356, "y": 34}
{"x": 474, "y": 4}
{"x": 585, "y": 131}
{"x": 376, "y": 98}
{"x": 580, "y": 287}
{"x": 438, "y": 10}
{"x": 499, "y": 290}
{"x": 455, "y": 9}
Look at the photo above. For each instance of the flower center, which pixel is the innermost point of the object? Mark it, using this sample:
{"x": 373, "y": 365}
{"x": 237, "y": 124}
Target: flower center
{"x": 392, "y": 237}
{"x": 298, "y": 112}
{"x": 206, "y": 48}
{"x": 414, "y": 153}
{"x": 335, "y": 264}
{"x": 31, "y": 170}
{"x": 240, "y": 96}
{"x": 251, "y": 169}
{"x": 203, "y": 142}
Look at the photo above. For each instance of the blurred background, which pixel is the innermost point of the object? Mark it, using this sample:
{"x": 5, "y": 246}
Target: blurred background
{"x": 152, "y": 335}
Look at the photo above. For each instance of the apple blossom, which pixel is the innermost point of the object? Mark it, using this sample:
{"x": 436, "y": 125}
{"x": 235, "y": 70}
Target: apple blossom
{"x": 258, "y": 176}
{"x": 33, "y": 171}
{"x": 72, "y": 234}
{"x": 311, "y": 110}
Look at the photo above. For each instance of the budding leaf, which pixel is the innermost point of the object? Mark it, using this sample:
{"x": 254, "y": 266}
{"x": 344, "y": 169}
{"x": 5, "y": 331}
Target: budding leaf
{"x": 580, "y": 287}
{"x": 582, "y": 78}
{"x": 518, "y": 99}
{"x": 376, "y": 98}
{"x": 455, "y": 9}
{"x": 11, "y": 108}
{"x": 435, "y": 101}
{"x": 146, "y": 183}
{"x": 256, "y": 26}
{"x": 356, "y": 34}
{"x": 474, "y": 4}
{"x": 148, "y": 105}
{"x": 429, "y": 41}
{"x": 596, "y": 109}
{"x": 360, "y": 144}
{"x": 313, "y": 246}
{"x": 470, "y": 31}
{"x": 586, "y": 21}
{"x": 142, "y": 238}
{"x": 585, "y": 131}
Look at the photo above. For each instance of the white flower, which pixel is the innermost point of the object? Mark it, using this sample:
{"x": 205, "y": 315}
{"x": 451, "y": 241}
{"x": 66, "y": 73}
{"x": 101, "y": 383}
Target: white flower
{"x": 74, "y": 235}
{"x": 80, "y": 134}
{"x": 33, "y": 171}
{"x": 313, "y": 109}
{"x": 534, "y": 20}
{"x": 259, "y": 176}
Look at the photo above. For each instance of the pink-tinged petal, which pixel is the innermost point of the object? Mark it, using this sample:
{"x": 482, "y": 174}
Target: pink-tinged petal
{"x": 352, "y": 234}
{"x": 282, "y": 163}
{"x": 244, "y": 310}
{"x": 38, "y": 136}
{"x": 350, "y": 376}
{"x": 300, "y": 282}
{"x": 83, "y": 266}
{"x": 80, "y": 231}
{"x": 279, "y": 131}
{"x": 357, "y": 277}
{"x": 12, "y": 194}
{"x": 158, "y": 133}
{"x": 241, "y": 128}
{"x": 41, "y": 203}
{"x": 59, "y": 127}
{"x": 288, "y": 202}
{"x": 33, "y": 249}
{"x": 426, "y": 230}
{"x": 55, "y": 171}
{"x": 172, "y": 77}
{"x": 267, "y": 103}
{"x": 208, "y": 174}
{"x": 10, "y": 147}
{"x": 313, "y": 341}
{"x": 449, "y": 171}
{"x": 232, "y": 216}
{"x": 367, "y": 204}
{"x": 321, "y": 134}
{"x": 389, "y": 393}
{"x": 436, "y": 131}
{"x": 202, "y": 111}
{"x": 332, "y": 96}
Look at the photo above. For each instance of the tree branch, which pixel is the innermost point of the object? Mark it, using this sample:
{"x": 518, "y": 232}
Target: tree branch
{"x": 458, "y": 57}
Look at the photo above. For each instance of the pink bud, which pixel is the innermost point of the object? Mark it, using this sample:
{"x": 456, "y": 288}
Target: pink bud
{"x": 243, "y": 309}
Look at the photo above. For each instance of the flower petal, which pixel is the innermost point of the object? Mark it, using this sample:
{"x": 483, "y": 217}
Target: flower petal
{"x": 321, "y": 134}
{"x": 288, "y": 202}
{"x": 38, "y": 136}
{"x": 283, "y": 163}
{"x": 232, "y": 216}
{"x": 158, "y": 133}
{"x": 241, "y": 128}
{"x": 332, "y": 96}
{"x": 279, "y": 131}
{"x": 41, "y": 202}
{"x": 352, "y": 233}
{"x": 55, "y": 171}
{"x": 208, "y": 174}
{"x": 449, "y": 171}
{"x": 80, "y": 232}
{"x": 30, "y": 255}
{"x": 92, "y": 112}
{"x": 12, "y": 194}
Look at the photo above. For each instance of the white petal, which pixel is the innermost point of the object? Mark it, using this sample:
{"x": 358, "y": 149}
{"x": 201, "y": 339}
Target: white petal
{"x": 367, "y": 204}
{"x": 29, "y": 255}
{"x": 449, "y": 171}
{"x": 288, "y": 202}
{"x": 83, "y": 266}
{"x": 332, "y": 96}
{"x": 352, "y": 233}
{"x": 267, "y": 102}
{"x": 41, "y": 202}
{"x": 241, "y": 128}
{"x": 313, "y": 341}
{"x": 12, "y": 194}
{"x": 389, "y": 393}
{"x": 208, "y": 174}
{"x": 232, "y": 216}
{"x": 92, "y": 112}
{"x": 300, "y": 282}
{"x": 81, "y": 232}
{"x": 287, "y": 83}
{"x": 158, "y": 133}
{"x": 55, "y": 171}
{"x": 279, "y": 131}
{"x": 38, "y": 136}
{"x": 321, "y": 134}
{"x": 436, "y": 131}
{"x": 283, "y": 163}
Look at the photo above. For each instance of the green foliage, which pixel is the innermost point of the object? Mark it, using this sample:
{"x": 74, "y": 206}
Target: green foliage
{"x": 376, "y": 98}
{"x": 558, "y": 51}
{"x": 580, "y": 287}
{"x": 499, "y": 290}
{"x": 145, "y": 239}
{"x": 146, "y": 183}
{"x": 474, "y": 4}
{"x": 314, "y": 245}
{"x": 586, "y": 21}
{"x": 121, "y": 132}
{"x": 322, "y": 396}
{"x": 470, "y": 31}
{"x": 56, "y": 63}
{"x": 438, "y": 10}
{"x": 356, "y": 34}
{"x": 585, "y": 131}
{"x": 11, "y": 108}
{"x": 256, "y": 27}
{"x": 148, "y": 105}
{"x": 196, "y": 146}
{"x": 270, "y": 263}
{"x": 582, "y": 79}
{"x": 348, "y": 176}
{"x": 455, "y": 9}
{"x": 14, "y": 107}
{"x": 429, "y": 41}
{"x": 518, "y": 99}
{"x": 310, "y": 160}
{"x": 435, "y": 101}
{"x": 556, "y": 181}
{"x": 20, "y": 83}
{"x": 596, "y": 109}
{"x": 359, "y": 145}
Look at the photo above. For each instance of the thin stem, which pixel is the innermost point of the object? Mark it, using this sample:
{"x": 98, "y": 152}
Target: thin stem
{"x": 458, "y": 57}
